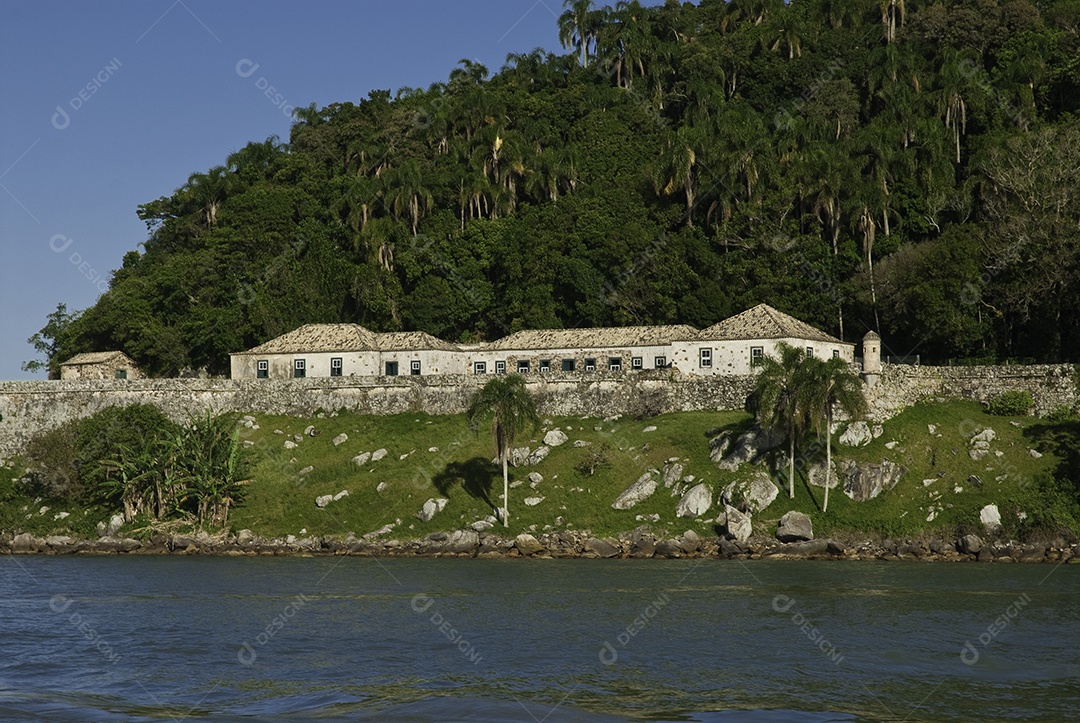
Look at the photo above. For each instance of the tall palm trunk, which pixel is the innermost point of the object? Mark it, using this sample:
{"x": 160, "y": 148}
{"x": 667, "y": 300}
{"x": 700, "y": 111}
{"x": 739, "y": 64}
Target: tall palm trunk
{"x": 791, "y": 461}
{"x": 506, "y": 494}
{"x": 828, "y": 457}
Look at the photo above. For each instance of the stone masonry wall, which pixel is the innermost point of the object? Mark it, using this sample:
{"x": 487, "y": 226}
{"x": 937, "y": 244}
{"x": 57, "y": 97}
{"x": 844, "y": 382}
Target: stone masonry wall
{"x": 1052, "y": 385}
{"x": 30, "y": 407}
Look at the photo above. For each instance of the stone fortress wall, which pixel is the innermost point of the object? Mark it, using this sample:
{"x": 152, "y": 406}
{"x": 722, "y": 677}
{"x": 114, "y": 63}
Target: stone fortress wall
{"x": 28, "y": 408}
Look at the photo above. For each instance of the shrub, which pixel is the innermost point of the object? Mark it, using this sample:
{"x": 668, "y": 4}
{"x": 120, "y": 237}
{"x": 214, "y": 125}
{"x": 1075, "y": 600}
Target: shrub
{"x": 594, "y": 460}
{"x": 1015, "y": 403}
{"x": 111, "y": 433}
{"x": 1050, "y": 510}
{"x": 52, "y": 470}
{"x": 1062, "y": 414}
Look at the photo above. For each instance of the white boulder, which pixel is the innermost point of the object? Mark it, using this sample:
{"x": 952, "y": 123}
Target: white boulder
{"x": 431, "y": 507}
{"x": 554, "y": 438}
{"x": 990, "y": 517}
{"x": 636, "y": 492}
{"x": 857, "y": 434}
{"x": 696, "y": 501}
{"x": 752, "y": 495}
{"x": 739, "y": 525}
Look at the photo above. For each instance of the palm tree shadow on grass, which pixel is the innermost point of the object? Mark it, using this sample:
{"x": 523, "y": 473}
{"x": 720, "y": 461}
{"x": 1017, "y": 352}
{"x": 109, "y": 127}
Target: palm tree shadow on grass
{"x": 477, "y": 476}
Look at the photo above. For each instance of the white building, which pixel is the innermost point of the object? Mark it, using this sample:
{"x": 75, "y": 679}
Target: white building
{"x": 578, "y": 350}
{"x": 737, "y": 344}
{"x": 346, "y": 350}
{"x": 734, "y": 346}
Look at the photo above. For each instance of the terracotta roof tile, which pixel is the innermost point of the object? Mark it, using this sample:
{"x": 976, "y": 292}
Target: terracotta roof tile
{"x": 320, "y": 338}
{"x": 96, "y": 357}
{"x": 601, "y": 338}
{"x": 763, "y": 322}
{"x": 411, "y": 340}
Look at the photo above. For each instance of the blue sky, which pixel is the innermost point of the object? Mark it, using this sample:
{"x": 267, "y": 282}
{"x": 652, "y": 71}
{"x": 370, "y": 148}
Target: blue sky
{"x": 109, "y": 104}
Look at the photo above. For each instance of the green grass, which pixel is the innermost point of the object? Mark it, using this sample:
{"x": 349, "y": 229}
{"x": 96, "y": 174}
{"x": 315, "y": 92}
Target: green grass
{"x": 942, "y": 457}
{"x": 279, "y": 501}
{"x": 36, "y": 513}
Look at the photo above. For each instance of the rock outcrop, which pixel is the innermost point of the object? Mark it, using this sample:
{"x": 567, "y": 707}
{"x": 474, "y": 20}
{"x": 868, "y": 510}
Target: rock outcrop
{"x": 739, "y": 525}
{"x": 636, "y": 492}
{"x": 431, "y": 507}
{"x": 794, "y": 526}
{"x": 752, "y": 495}
{"x": 866, "y": 481}
{"x": 696, "y": 501}
{"x": 857, "y": 434}
{"x": 730, "y": 451}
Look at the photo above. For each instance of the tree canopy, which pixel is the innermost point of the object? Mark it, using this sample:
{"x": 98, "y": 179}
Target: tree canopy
{"x": 861, "y": 165}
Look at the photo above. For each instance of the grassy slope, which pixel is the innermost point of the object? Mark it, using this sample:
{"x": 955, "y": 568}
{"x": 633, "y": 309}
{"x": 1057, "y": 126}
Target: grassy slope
{"x": 280, "y": 501}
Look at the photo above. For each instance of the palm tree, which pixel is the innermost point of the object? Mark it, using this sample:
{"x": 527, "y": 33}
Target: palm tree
{"x": 831, "y": 384}
{"x": 512, "y": 411}
{"x": 406, "y": 193}
{"x": 951, "y": 104}
{"x": 890, "y": 9}
{"x": 675, "y": 171}
{"x": 778, "y": 399}
{"x": 577, "y": 27}
{"x": 255, "y": 160}
{"x": 209, "y": 190}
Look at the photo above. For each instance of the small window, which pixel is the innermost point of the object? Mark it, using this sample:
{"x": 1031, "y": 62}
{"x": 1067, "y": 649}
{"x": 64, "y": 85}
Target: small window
{"x": 705, "y": 357}
{"x": 590, "y": 365}
{"x": 121, "y": 373}
{"x": 568, "y": 365}
{"x": 660, "y": 362}
{"x": 809, "y": 351}
{"x": 835, "y": 353}
{"x": 757, "y": 355}
{"x": 335, "y": 367}
{"x": 614, "y": 363}
{"x": 299, "y": 368}
{"x": 480, "y": 368}
{"x": 391, "y": 369}
{"x": 414, "y": 367}
{"x": 636, "y": 362}
{"x": 545, "y": 366}
{"x": 500, "y": 367}
{"x": 262, "y": 369}
{"x": 523, "y": 366}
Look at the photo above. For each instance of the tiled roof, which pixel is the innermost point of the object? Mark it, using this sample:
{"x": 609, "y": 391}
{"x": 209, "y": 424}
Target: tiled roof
{"x": 314, "y": 338}
{"x": 603, "y": 338}
{"x": 760, "y": 322}
{"x": 411, "y": 340}
{"x": 763, "y": 322}
{"x": 319, "y": 338}
{"x": 96, "y": 357}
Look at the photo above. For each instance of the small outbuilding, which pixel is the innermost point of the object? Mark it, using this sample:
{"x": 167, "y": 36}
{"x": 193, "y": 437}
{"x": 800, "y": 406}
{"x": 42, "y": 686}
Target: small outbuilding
{"x": 100, "y": 365}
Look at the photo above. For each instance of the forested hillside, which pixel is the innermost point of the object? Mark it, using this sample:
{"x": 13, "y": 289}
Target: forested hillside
{"x": 906, "y": 167}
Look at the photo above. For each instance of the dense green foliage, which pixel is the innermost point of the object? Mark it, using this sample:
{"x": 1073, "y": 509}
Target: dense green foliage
{"x": 66, "y": 461}
{"x": 1011, "y": 404}
{"x": 910, "y": 168}
{"x": 136, "y": 459}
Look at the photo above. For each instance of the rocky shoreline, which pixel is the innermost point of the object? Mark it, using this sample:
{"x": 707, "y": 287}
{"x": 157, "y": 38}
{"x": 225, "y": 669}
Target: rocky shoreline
{"x": 638, "y": 544}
